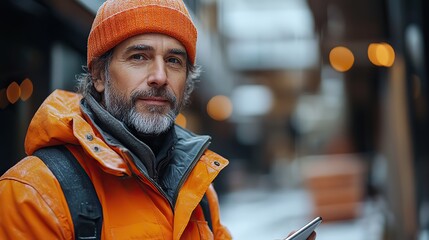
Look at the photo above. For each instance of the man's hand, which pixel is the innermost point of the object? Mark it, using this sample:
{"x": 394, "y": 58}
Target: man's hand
{"x": 312, "y": 236}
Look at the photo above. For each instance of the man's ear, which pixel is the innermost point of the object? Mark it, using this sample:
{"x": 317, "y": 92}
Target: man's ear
{"x": 99, "y": 85}
{"x": 99, "y": 81}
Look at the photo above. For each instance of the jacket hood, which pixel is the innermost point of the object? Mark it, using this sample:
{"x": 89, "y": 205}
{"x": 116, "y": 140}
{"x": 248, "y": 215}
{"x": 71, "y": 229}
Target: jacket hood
{"x": 59, "y": 120}
{"x": 52, "y": 124}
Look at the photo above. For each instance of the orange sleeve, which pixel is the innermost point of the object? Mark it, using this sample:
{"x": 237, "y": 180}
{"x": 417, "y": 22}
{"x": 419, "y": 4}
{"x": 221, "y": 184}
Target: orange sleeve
{"x": 28, "y": 209}
{"x": 219, "y": 231}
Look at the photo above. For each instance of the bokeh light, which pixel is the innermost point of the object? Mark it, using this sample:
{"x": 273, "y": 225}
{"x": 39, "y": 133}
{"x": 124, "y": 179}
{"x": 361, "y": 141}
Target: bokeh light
{"x": 13, "y": 92}
{"x": 26, "y": 89}
{"x": 341, "y": 58}
{"x": 381, "y": 54}
{"x": 181, "y": 120}
{"x": 219, "y": 108}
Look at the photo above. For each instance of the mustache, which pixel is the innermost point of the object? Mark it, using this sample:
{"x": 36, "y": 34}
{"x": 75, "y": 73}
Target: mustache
{"x": 154, "y": 92}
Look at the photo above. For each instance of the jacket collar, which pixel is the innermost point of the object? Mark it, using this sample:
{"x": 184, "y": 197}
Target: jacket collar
{"x": 64, "y": 119}
{"x": 185, "y": 153}
{"x": 116, "y": 134}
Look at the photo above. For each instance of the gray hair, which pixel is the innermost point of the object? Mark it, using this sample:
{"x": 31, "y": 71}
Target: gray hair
{"x": 85, "y": 80}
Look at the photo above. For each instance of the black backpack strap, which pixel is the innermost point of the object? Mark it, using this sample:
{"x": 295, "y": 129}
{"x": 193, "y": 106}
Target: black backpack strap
{"x": 206, "y": 210}
{"x": 84, "y": 205}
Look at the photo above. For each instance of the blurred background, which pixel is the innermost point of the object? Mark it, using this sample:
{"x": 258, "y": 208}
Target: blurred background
{"x": 321, "y": 106}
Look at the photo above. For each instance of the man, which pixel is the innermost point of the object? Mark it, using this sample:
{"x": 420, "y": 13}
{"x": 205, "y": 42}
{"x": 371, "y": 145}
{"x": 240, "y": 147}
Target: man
{"x": 150, "y": 176}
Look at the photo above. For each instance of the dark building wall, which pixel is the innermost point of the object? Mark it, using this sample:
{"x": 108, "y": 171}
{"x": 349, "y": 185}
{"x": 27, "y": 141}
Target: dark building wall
{"x": 30, "y": 30}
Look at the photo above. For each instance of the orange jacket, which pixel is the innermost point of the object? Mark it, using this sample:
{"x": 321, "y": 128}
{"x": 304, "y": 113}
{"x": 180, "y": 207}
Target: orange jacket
{"x": 33, "y": 206}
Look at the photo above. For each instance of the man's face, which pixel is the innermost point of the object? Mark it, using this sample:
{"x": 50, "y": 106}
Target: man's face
{"x": 146, "y": 81}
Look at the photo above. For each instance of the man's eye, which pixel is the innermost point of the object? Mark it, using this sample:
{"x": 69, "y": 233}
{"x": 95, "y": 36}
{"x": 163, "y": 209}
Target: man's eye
{"x": 138, "y": 57}
{"x": 174, "y": 60}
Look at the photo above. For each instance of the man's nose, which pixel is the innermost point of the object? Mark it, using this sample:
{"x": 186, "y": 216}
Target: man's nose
{"x": 157, "y": 75}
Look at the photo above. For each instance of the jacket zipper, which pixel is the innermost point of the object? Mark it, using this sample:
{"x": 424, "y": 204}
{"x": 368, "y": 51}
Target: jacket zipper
{"x": 154, "y": 183}
{"x": 182, "y": 180}
{"x": 191, "y": 167}
{"x": 162, "y": 164}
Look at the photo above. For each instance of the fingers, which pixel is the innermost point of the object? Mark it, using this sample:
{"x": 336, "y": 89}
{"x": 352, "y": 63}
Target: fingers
{"x": 312, "y": 236}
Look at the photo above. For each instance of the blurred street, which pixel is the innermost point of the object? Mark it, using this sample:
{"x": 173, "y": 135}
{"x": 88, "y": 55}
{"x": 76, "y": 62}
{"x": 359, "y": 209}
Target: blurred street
{"x": 261, "y": 214}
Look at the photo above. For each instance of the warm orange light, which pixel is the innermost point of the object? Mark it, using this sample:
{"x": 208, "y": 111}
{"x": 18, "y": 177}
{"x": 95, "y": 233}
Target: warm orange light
{"x": 219, "y": 108}
{"x": 381, "y": 54}
{"x": 13, "y": 92}
{"x": 341, "y": 58}
{"x": 372, "y": 54}
{"x": 26, "y": 89}
{"x": 181, "y": 120}
{"x": 387, "y": 55}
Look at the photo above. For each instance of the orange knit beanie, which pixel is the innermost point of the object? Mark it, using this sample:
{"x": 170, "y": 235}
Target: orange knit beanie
{"x": 117, "y": 20}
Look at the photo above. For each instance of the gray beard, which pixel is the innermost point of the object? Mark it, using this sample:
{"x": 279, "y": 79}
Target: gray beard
{"x": 154, "y": 122}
